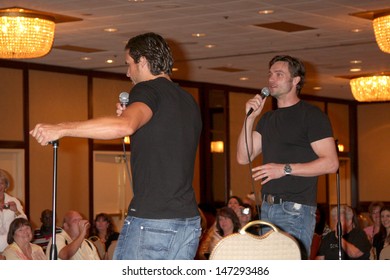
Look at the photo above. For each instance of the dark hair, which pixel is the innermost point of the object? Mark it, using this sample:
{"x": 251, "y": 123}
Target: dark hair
{"x": 15, "y": 225}
{"x": 320, "y": 225}
{"x": 382, "y": 230}
{"x": 227, "y": 213}
{"x": 107, "y": 218}
{"x": 295, "y": 66}
{"x": 155, "y": 49}
{"x": 239, "y": 200}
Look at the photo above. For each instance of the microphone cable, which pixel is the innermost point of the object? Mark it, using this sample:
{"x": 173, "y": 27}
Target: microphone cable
{"x": 250, "y": 167}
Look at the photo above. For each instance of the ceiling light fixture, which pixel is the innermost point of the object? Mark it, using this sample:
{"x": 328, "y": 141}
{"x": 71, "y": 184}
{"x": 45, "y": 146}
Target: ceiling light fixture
{"x": 381, "y": 25}
{"x": 25, "y": 34}
{"x": 372, "y": 88}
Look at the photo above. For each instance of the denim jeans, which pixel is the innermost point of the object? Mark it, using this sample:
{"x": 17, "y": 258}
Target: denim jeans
{"x": 158, "y": 239}
{"x": 296, "y": 219}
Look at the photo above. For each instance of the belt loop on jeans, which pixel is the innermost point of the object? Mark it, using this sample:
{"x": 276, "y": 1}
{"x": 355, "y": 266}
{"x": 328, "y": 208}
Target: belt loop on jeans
{"x": 271, "y": 199}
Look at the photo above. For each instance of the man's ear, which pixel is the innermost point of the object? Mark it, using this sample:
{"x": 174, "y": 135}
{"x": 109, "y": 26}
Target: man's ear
{"x": 296, "y": 80}
{"x": 143, "y": 61}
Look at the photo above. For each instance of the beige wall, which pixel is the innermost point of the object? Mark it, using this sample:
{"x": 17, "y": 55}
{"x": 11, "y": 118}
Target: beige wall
{"x": 11, "y": 105}
{"x": 57, "y": 97}
{"x": 374, "y": 151}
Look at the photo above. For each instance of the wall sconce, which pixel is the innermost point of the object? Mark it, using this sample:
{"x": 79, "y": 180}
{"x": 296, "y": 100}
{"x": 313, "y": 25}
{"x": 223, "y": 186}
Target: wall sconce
{"x": 340, "y": 148}
{"x": 126, "y": 139}
{"x": 216, "y": 146}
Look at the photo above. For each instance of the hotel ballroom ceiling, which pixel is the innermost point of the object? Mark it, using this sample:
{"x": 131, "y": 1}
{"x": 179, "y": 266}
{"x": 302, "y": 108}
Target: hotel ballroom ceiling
{"x": 235, "y": 42}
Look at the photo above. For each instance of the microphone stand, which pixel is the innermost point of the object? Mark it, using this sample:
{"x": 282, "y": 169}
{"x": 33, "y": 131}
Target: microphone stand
{"x": 53, "y": 248}
{"x": 339, "y": 227}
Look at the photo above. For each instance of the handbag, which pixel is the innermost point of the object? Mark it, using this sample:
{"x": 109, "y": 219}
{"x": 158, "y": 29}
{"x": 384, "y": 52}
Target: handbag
{"x": 273, "y": 245}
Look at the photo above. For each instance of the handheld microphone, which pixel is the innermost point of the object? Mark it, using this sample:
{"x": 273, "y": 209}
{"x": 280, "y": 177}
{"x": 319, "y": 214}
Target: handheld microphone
{"x": 263, "y": 93}
{"x": 124, "y": 98}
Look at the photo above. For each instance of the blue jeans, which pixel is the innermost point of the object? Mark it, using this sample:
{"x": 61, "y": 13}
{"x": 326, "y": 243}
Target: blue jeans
{"x": 158, "y": 239}
{"x": 296, "y": 219}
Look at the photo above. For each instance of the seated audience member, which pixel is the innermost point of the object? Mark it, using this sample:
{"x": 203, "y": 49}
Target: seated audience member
{"x": 43, "y": 234}
{"x": 234, "y": 202}
{"x": 381, "y": 240}
{"x": 227, "y": 223}
{"x": 71, "y": 243}
{"x": 374, "y": 209}
{"x": 104, "y": 236}
{"x": 19, "y": 240}
{"x": 10, "y": 208}
{"x": 354, "y": 242}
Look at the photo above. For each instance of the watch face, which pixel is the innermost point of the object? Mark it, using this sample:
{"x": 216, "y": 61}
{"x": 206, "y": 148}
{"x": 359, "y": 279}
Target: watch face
{"x": 287, "y": 169}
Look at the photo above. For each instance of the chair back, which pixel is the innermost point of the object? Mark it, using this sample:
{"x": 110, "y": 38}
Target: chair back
{"x": 273, "y": 245}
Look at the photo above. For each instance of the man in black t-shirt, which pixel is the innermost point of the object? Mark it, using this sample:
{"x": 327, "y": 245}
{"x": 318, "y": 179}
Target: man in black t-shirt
{"x": 354, "y": 242}
{"x": 297, "y": 145}
{"x": 164, "y": 123}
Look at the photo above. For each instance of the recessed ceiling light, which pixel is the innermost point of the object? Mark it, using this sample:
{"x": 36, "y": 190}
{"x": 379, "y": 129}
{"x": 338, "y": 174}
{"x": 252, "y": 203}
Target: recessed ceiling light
{"x": 198, "y": 34}
{"x": 265, "y": 12}
{"x": 111, "y": 29}
{"x": 356, "y": 69}
{"x": 109, "y": 61}
{"x": 317, "y": 88}
{"x": 356, "y": 30}
{"x": 174, "y": 69}
{"x": 244, "y": 78}
{"x": 355, "y": 61}
{"x": 210, "y": 46}
{"x": 86, "y": 58}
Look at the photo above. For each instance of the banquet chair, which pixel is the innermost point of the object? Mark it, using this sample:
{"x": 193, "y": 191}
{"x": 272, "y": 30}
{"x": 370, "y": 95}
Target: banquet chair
{"x": 273, "y": 245}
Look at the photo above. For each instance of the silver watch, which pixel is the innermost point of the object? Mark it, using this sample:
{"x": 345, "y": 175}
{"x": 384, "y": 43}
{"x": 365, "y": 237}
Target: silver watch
{"x": 287, "y": 169}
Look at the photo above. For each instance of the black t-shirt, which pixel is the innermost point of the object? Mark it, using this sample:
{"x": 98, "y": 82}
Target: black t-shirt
{"x": 286, "y": 137}
{"x": 329, "y": 247}
{"x": 163, "y": 152}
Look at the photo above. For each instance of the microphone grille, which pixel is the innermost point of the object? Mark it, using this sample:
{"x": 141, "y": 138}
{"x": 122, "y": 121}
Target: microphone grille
{"x": 124, "y": 97}
{"x": 265, "y": 91}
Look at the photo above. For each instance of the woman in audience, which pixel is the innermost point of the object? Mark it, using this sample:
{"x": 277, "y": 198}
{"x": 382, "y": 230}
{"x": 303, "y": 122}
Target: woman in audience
{"x": 374, "y": 210}
{"x": 234, "y": 202}
{"x": 382, "y": 239}
{"x": 227, "y": 223}
{"x": 104, "y": 236}
{"x": 19, "y": 240}
{"x": 10, "y": 208}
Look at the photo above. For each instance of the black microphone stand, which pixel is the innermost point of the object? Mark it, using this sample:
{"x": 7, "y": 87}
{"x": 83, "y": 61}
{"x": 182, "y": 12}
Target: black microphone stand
{"x": 53, "y": 248}
{"x": 339, "y": 227}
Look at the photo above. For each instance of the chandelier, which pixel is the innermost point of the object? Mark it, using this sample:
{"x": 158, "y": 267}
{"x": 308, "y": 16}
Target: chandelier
{"x": 374, "y": 88}
{"x": 25, "y": 34}
{"x": 382, "y": 32}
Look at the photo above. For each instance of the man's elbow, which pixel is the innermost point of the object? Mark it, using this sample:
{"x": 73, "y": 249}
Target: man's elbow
{"x": 241, "y": 160}
{"x": 334, "y": 166}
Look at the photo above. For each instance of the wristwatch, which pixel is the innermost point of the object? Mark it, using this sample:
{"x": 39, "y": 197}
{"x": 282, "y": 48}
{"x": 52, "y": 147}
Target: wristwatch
{"x": 287, "y": 169}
